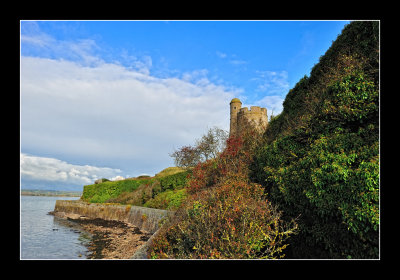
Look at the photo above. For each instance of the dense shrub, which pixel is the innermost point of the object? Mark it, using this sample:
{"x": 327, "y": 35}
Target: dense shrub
{"x": 355, "y": 49}
{"x": 328, "y": 172}
{"x": 136, "y": 197}
{"x": 174, "y": 182}
{"x": 169, "y": 200}
{"x": 229, "y": 221}
{"x": 224, "y": 215}
{"x": 232, "y": 165}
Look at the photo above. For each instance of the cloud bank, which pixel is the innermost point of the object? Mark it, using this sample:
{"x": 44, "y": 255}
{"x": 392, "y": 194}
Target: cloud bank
{"x": 36, "y": 171}
{"x": 114, "y": 116}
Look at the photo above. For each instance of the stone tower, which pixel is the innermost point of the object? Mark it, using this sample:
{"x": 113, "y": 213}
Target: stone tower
{"x": 235, "y": 107}
{"x": 243, "y": 117}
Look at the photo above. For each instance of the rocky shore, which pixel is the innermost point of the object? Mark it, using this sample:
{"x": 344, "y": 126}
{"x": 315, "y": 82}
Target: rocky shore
{"x": 110, "y": 239}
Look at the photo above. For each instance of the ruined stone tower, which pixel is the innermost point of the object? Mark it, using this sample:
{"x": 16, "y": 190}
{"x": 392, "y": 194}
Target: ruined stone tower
{"x": 242, "y": 117}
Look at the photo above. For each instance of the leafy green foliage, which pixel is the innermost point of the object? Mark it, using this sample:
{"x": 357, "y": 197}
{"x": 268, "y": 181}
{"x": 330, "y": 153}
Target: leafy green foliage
{"x": 170, "y": 192}
{"x": 356, "y": 49}
{"x": 328, "y": 172}
{"x": 320, "y": 160}
{"x": 169, "y": 200}
{"x": 169, "y": 171}
{"x": 174, "y": 182}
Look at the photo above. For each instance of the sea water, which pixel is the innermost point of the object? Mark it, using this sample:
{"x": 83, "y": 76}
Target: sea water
{"x": 44, "y": 236}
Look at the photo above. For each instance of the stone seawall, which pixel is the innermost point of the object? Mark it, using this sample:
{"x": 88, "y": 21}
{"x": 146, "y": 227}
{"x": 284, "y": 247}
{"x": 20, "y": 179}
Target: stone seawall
{"x": 147, "y": 219}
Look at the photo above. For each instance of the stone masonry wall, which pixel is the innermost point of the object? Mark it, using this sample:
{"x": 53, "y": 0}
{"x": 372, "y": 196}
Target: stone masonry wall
{"x": 147, "y": 219}
{"x": 255, "y": 117}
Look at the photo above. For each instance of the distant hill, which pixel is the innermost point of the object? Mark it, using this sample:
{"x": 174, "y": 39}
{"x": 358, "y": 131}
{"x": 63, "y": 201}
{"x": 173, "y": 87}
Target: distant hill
{"x": 50, "y": 193}
{"x": 169, "y": 171}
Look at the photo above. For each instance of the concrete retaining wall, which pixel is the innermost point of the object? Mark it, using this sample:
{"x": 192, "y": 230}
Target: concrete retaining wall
{"x": 147, "y": 219}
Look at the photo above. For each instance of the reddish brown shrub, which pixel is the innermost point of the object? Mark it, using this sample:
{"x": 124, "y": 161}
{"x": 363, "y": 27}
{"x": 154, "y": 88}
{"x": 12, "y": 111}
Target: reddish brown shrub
{"x": 232, "y": 165}
{"x": 229, "y": 221}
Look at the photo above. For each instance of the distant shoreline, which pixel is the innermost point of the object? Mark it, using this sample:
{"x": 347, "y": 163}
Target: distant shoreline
{"x": 50, "y": 193}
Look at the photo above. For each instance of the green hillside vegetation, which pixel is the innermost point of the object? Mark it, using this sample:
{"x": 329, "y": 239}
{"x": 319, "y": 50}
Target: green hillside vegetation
{"x": 169, "y": 171}
{"x": 320, "y": 161}
{"x": 308, "y": 187}
{"x": 100, "y": 193}
{"x": 163, "y": 191}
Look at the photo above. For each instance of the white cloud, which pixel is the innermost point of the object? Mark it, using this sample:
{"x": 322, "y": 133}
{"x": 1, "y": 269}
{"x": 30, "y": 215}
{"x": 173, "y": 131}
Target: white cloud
{"x": 142, "y": 64}
{"x": 117, "y": 178}
{"x": 44, "y": 169}
{"x": 111, "y": 113}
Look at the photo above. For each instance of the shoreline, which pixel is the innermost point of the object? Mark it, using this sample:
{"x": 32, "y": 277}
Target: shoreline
{"x": 111, "y": 239}
{"x": 48, "y": 195}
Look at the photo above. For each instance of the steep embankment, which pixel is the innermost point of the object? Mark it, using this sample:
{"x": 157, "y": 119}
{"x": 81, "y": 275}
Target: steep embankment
{"x": 320, "y": 163}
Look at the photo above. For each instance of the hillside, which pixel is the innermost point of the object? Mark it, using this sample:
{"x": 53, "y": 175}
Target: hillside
{"x": 321, "y": 158}
{"x": 163, "y": 191}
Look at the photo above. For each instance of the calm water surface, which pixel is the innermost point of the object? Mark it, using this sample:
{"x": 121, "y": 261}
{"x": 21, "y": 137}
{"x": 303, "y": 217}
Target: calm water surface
{"x": 44, "y": 236}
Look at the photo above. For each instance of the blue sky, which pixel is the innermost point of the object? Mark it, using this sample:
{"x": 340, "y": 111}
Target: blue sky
{"x": 114, "y": 98}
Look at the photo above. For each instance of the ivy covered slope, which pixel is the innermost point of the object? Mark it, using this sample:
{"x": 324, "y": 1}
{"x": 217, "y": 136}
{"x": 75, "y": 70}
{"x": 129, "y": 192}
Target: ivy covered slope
{"x": 164, "y": 191}
{"x": 320, "y": 159}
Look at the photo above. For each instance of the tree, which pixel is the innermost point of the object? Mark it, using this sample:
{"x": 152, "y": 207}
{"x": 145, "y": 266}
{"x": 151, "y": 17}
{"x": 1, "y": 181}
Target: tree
{"x": 212, "y": 143}
{"x": 207, "y": 147}
{"x": 186, "y": 156}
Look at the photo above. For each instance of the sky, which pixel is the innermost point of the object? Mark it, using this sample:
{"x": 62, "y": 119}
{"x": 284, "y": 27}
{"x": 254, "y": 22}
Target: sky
{"x": 113, "y": 99}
